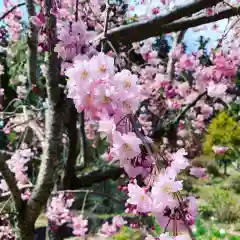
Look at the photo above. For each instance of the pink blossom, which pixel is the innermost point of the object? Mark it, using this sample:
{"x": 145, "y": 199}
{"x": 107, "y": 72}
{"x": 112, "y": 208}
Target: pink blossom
{"x": 177, "y": 52}
{"x": 161, "y": 80}
{"x": 26, "y": 195}
{"x": 127, "y": 81}
{"x": 198, "y": 172}
{"x": 179, "y": 162}
{"x": 1, "y": 91}
{"x": 38, "y": 20}
{"x": 106, "y": 127}
{"x": 3, "y": 185}
{"x": 79, "y": 225}
{"x": 107, "y": 229}
{"x": 138, "y": 197}
{"x": 58, "y": 210}
{"x": 219, "y": 149}
{"x": 125, "y": 146}
{"x": 165, "y": 186}
{"x": 209, "y": 11}
{"x": 183, "y": 89}
{"x": 132, "y": 171}
{"x": 216, "y": 90}
{"x": 102, "y": 65}
{"x": 118, "y": 221}
{"x": 1, "y": 69}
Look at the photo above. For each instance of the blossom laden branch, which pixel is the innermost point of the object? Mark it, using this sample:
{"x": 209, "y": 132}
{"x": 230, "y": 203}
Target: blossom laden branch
{"x": 11, "y": 10}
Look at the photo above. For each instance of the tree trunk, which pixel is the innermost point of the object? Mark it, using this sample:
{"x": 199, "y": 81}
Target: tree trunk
{"x": 225, "y": 168}
{"x": 53, "y": 235}
{"x": 26, "y": 231}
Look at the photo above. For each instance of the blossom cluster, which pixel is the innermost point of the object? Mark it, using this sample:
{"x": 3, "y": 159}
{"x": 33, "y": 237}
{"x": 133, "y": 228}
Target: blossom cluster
{"x": 59, "y": 213}
{"x": 108, "y": 229}
{"x": 17, "y": 164}
{"x": 107, "y": 97}
{"x": 162, "y": 199}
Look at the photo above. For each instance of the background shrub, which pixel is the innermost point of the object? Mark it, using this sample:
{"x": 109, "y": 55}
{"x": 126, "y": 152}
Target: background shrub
{"x": 225, "y": 205}
{"x": 234, "y": 183}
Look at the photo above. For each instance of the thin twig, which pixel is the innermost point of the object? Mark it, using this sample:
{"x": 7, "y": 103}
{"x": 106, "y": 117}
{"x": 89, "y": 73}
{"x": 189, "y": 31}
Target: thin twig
{"x": 184, "y": 218}
{"x": 5, "y": 204}
{"x": 84, "y": 201}
{"x": 108, "y": 10}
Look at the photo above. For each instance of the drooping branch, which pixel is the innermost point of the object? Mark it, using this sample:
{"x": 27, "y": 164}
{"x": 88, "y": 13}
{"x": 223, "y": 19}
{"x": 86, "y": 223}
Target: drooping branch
{"x": 11, "y": 10}
{"x": 151, "y": 28}
{"x": 32, "y": 44}
{"x": 11, "y": 182}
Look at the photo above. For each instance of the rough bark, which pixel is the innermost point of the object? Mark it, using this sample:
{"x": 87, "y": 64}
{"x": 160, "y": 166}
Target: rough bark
{"x": 32, "y": 44}
{"x": 12, "y": 184}
{"x": 26, "y": 230}
{"x": 69, "y": 169}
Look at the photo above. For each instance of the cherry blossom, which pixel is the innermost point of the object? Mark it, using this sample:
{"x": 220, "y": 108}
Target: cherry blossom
{"x": 219, "y": 149}
{"x": 79, "y": 225}
{"x": 138, "y": 197}
{"x": 198, "y": 172}
{"x": 125, "y": 146}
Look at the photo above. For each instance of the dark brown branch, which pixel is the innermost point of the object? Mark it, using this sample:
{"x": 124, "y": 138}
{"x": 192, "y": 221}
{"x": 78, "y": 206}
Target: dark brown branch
{"x": 69, "y": 169}
{"x": 151, "y": 28}
{"x": 84, "y": 147}
{"x": 32, "y": 44}
{"x": 10, "y": 179}
{"x": 97, "y": 177}
{"x": 11, "y": 10}
{"x": 188, "y": 107}
{"x": 197, "y": 21}
{"x": 163, "y": 130}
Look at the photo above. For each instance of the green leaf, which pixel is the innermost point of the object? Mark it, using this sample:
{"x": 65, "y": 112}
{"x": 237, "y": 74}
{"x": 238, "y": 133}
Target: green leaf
{"x": 11, "y": 136}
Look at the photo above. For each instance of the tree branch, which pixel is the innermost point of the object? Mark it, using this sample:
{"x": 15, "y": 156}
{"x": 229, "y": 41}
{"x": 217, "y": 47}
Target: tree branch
{"x": 197, "y": 21}
{"x": 69, "y": 169}
{"x": 32, "y": 44}
{"x": 11, "y": 182}
{"x": 97, "y": 177}
{"x": 170, "y": 66}
{"x": 54, "y": 124}
{"x": 11, "y": 10}
{"x": 163, "y": 130}
{"x": 151, "y": 28}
